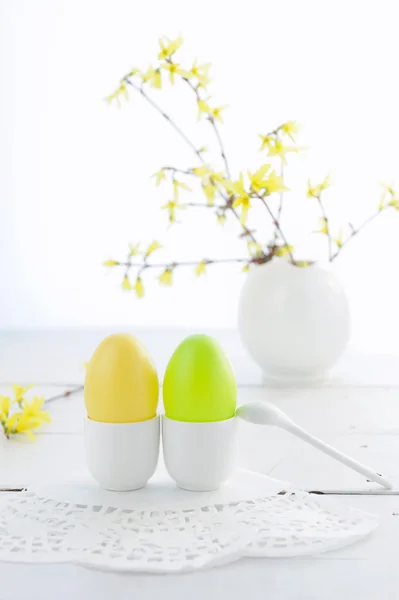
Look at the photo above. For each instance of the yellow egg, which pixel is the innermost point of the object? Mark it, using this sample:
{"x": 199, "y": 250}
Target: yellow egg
{"x": 121, "y": 381}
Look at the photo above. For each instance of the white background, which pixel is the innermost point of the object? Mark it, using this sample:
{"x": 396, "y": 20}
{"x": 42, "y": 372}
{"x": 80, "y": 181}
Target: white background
{"x": 75, "y": 174}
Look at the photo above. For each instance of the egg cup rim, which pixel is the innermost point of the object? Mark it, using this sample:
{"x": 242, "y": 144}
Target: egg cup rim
{"x": 199, "y": 422}
{"x": 157, "y": 417}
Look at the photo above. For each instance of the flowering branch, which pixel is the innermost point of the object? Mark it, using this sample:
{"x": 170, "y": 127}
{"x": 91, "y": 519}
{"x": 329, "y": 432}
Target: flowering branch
{"x": 141, "y": 91}
{"x": 18, "y": 415}
{"x": 224, "y": 193}
{"x": 355, "y": 232}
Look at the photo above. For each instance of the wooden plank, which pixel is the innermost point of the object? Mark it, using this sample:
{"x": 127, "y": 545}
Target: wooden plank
{"x": 306, "y": 467}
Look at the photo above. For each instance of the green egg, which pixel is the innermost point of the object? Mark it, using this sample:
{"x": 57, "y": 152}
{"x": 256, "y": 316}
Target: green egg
{"x": 199, "y": 384}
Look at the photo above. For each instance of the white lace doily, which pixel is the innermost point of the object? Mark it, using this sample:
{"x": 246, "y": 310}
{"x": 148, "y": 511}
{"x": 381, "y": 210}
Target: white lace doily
{"x": 187, "y": 536}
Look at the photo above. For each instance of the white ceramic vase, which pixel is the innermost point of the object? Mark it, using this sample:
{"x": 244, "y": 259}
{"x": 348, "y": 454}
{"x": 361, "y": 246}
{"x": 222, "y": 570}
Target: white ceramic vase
{"x": 199, "y": 456}
{"x": 122, "y": 456}
{"x": 294, "y": 321}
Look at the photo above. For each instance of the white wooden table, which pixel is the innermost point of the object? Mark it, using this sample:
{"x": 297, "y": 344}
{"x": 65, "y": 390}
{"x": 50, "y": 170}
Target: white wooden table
{"x": 356, "y": 409}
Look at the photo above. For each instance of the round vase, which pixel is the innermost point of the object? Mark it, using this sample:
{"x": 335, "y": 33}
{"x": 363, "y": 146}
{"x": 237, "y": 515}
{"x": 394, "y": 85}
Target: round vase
{"x": 199, "y": 456}
{"x": 294, "y": 321}
{"x": 122, "y": 456}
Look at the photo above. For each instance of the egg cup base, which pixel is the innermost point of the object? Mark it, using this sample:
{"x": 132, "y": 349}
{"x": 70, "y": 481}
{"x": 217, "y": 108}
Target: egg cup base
{"x": 200, "y": 457}
{"x": 122, "y": 457}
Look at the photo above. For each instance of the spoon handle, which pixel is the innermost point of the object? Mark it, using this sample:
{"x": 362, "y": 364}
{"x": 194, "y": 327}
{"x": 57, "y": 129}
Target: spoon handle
{"x": 343, "y": 458}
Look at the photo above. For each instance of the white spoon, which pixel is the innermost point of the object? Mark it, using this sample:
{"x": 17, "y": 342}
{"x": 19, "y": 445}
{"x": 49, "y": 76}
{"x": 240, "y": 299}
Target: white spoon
{"x": 264, "y": 413}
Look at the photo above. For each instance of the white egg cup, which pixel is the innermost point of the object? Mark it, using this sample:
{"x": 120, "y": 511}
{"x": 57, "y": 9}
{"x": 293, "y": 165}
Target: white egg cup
{"x": 199, "y": 456}
{"x": 122, "y": 456}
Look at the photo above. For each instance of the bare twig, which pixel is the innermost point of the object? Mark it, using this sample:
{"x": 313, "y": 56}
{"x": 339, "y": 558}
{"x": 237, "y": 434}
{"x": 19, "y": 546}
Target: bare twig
{"x": 355, "y": 231}
{"x": 221, "y": 146}
{"x": 324, "y": 215}
{"x": 76, "y": 390}
{"x": 189, "y": 263}
{"x": 140, "y": 90}
{"x": 277, "y": 225}
{"x": 214, "y": 126}
{"x": 280, "y": 207}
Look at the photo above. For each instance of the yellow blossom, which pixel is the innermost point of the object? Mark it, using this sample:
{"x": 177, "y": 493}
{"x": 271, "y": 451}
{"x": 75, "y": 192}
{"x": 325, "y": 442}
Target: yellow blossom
{"x": 254, "y": 249}
{"x": 120, "y": 91}
{"x": 200, "y": 269}
{"x": 203, "y": 108}
{"x": 153, "y": 76}
{"x": 290, "y": 128}
{"x": 29, "y": 417}
{"x": 267, "y": 141}
{"x": 394, "y": 203}
{"x": 278, "y": 149}
{"x": 126, "y": 284}
{"x": 159, "y": 176}
{"x": 139, "y": 288}
{"x": 383, "y": 202}
{"x": 302, "y": 263}
{"x": 201, "y": 171}
{"x": 216, "y": 113}
{"x": 213, "y": 113}
{"x": 167, "y": 277}
{"x": 204, "y": 82}
{"x": 20, "y": 391}
{"x": 237, "y": 188}
{"x": 19, "y": 424}
{"x": 169, "y": 47}
{"x": 217, "y": 177}
{"x": 245, "y": 204}
{"x": 323, "y": 226}
{"x": 221, "y": 217}
{"x": 171, "y": 206}
{"x": 174, "y": 69}
{"x": 177, "y": 185}
{"x": 246, "y": 268}
{"x": 152, "y": 247}
{"x": 283, "y": 250}
{"x": 274, "y": 183}
{"x": 110, "y": 263}
{"x": 133, "y": 71}
{"x": 34, "y": 410}
{"x": 5, "y": 403}
{"x": 388, "y": 188}
{"x": 210, "y": 192}
{"x": 339, "y": 240}
{"x": 134, "y": 250}
{"x": 201, "y": 73}
{"x": 257, "y": 179}
{"x": 314, "y": 191}
{"x": 24, "y": 424}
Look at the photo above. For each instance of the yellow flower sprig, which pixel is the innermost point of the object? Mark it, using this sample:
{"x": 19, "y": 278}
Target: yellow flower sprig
{"x": 167, "y": 269}
{"x": 389, "y": 199}
{"x": 19, "y": 415}
{"x": 197, "y": 77}
{"x": 316, "y": 191}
